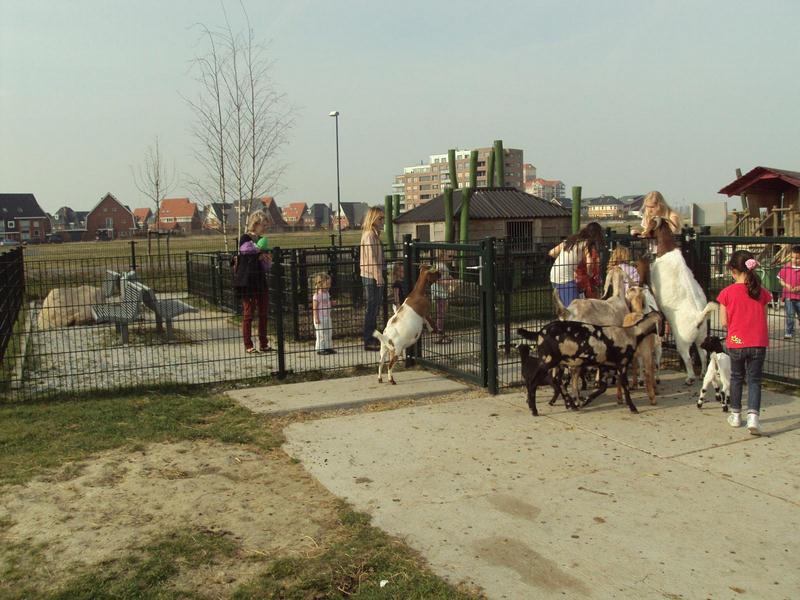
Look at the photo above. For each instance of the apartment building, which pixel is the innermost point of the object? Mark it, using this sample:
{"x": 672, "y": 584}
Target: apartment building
{"x": 421, "y": 183}
{"x": 546, "y": 188}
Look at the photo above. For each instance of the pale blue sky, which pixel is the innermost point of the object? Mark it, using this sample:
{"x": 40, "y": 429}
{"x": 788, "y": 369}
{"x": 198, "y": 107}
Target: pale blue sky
{"x": 619, "y": 97}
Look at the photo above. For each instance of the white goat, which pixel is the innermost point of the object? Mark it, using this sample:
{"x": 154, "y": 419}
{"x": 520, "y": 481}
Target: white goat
{"x": 680, "y": 298}
{"x": 405, "y": 326}
{"x": 718, "y": 373}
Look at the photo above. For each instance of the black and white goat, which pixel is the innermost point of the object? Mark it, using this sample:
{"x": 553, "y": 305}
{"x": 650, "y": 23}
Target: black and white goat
{"x": 718, "y": 373}
{"x": 610, "y": 348}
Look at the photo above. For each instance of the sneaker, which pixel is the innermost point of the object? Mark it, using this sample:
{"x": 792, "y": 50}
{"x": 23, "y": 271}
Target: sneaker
{"x": 752, "y": 424}
{"x": 735, "y": 419}
{"x": 788, "y": 336}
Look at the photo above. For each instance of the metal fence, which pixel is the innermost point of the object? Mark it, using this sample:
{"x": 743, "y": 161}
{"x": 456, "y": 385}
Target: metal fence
{"x": 64, "y": 320}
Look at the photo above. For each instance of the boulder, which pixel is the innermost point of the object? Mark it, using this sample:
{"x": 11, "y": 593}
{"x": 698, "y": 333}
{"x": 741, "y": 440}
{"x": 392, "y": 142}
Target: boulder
{"x": 69, "y": 306}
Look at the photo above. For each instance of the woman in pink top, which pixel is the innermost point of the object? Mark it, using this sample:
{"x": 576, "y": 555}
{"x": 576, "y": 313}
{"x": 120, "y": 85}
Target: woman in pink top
{"x": 789, "y": 278}
{"x": 743, "y": 310}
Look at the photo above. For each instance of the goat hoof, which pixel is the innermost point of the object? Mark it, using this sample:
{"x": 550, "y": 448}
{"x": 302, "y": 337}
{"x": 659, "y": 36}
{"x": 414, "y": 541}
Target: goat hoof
{"x": 392, "y": 381}
{"x": 535, "y": 413}
{"x": 699, "y": 404}
{"x": 724, "y": 409}
{"x": 380, "y": 380}
{"x": 689, "y": 380}
{"x": 634, "y": 409}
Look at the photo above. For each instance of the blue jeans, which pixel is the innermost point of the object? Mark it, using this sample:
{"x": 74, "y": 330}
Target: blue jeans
{"x": 749, "y": 361}
{"x": 792, "y": 312}
{"x": 567, "y": 292}
{"x": 373, "y": 293}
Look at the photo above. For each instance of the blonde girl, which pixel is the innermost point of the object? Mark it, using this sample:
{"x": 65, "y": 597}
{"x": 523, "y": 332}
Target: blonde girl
{"x": 321, "y": 307}
{"x": 653, "y": 206}
{"x": 621, "y": 257}
{"x": 372, "y": 273}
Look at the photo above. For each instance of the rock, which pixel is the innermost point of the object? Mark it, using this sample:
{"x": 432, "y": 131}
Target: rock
{"x": 68, "y": 306}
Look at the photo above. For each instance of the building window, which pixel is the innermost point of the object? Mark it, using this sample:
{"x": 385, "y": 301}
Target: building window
{"x": 10, "y": 224}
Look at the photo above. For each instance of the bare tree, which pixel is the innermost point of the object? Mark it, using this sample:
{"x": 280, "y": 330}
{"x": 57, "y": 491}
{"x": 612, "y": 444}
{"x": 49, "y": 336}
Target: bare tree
{"x": 153, "y": 178}
{"x": 241, "y": 119}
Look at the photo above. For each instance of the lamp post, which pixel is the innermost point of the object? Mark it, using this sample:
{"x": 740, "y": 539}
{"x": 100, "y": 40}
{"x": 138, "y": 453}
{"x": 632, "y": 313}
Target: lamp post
{"x": 335, "y": 114}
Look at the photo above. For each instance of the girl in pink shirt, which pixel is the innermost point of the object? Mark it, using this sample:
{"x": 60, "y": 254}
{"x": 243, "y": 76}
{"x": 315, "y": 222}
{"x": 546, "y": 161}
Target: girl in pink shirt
{"x": 743, "y": 310}
{"x": 789, "y": 278}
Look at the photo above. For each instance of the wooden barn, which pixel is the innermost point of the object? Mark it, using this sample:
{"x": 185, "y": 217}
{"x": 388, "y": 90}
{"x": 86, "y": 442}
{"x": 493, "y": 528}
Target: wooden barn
{"x": 494, "y": 212}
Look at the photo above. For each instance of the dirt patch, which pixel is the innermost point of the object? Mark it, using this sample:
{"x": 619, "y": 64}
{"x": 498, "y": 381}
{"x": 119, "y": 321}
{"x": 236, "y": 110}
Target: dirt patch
{"x": 92, "y": 511}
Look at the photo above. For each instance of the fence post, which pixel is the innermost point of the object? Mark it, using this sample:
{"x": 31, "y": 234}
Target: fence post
{"x": 293, "y": 283}
{"x": 507, "y": 295}
{"x": 133, "y": 255}
{"x": 212, "y": 260}
{"x": 489, "y": 320}
{"x": 277, "y": 293}
{"x": 408, "y": 265}
{"x": 188, "y": 274}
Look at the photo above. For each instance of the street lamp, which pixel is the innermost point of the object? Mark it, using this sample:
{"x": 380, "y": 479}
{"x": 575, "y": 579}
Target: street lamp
{"x": 335, "y": 114}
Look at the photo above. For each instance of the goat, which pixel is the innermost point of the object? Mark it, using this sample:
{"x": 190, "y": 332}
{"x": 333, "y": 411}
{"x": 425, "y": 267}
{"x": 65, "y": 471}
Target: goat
{"x": 574, "y": 344}
{"x": 610, "y": 311}
{"x": 534, "y": 377}
{"x": 405, "y": 326}
{"x": 650, "y": 346}
{"x": 679, "y": 296}
{"x": 718, "y": 373}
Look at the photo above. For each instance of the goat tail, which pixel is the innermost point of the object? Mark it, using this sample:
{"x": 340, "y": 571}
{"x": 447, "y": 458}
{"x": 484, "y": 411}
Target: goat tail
{"x": 710, "y": 308}
{"x": 525, "y": 333}
{"x": 382, "y": 338}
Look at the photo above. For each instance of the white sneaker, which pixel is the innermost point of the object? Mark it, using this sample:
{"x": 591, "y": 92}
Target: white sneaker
{"x": 735, "y": 419}
{"x": 752, "y": 424}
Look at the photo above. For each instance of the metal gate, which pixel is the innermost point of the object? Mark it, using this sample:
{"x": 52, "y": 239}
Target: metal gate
{"x": 462, "y": 307}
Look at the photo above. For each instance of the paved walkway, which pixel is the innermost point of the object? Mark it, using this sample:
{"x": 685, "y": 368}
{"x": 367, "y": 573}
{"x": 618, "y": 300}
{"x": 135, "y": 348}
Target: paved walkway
{"x": 669, "y": 503}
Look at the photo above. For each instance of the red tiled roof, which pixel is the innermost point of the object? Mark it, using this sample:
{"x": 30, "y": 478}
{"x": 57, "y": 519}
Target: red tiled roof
{"x": 177, "y": 207}
{"x": 294, "y": 211}
{"x": 267, "y": 201}
{"x": 547, "y": 181}
{"x": 141, "y": 214}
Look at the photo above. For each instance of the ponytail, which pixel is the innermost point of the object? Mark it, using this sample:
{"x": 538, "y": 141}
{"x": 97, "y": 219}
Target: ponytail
{"x": 745, "y": 262}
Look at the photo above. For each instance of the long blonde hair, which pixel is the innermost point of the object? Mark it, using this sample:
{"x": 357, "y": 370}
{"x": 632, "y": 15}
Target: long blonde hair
{"x": 619, "y": 255}
{"x": 255, "y": 217}
{"x": 660, "y": 206}
{"x": 373, "y": 214}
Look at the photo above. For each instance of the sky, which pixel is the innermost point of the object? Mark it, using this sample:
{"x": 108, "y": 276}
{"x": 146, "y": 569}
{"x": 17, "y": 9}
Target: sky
{"x": 619, "y": 97}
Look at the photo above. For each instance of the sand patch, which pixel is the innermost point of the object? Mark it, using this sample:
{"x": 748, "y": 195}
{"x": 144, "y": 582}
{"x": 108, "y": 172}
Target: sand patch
{"x": 96, "y": 510}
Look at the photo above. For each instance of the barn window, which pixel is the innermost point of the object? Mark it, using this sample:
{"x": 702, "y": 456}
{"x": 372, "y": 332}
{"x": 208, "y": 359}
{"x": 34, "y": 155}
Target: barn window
{"x": 519, "y": 234}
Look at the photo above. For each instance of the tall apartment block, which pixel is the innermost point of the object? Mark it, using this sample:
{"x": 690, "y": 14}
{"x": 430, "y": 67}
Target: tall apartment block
{"x": 421, "y": 183}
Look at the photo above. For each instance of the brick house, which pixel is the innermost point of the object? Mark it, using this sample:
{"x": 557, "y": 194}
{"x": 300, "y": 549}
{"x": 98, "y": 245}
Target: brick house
{"x": 273, "y": 211}
{"x": 22, "y": 219}
{"x": 143, "y": 217}
{"x": 110, "y": 218}
{"x": 295, "y": 215}
{"x": 179, "y": 214}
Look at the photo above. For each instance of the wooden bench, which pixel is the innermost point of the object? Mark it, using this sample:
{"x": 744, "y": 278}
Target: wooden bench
{"x": 122, "y": 313}
{"x": 165, "y": 310}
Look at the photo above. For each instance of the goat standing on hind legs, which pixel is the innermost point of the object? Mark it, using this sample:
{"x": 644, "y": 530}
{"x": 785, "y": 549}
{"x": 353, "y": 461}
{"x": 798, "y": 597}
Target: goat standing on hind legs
{"x": 679, "y": 296}
{"x": 405, "y": 326}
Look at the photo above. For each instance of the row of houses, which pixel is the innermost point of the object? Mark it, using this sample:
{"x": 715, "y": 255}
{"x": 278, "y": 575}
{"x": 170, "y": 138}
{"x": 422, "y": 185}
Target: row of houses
{"x": 607, "y": 207}
{"x": 24, "y": 220}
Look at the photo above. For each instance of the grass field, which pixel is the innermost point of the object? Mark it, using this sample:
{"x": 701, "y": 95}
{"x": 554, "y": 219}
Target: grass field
{"x": 177, "y": 245}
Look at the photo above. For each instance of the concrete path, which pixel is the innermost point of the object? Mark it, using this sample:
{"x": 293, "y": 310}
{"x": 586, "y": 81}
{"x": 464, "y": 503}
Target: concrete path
{"x": 343, "y": 393}
{"x": 669, "y": 503}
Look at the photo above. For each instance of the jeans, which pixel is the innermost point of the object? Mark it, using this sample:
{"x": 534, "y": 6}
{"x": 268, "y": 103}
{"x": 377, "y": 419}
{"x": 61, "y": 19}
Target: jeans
{"x": 373, "y": 293}
{"x": 792, "y": 312}
{"x": 748, "y": 361}
{"x": 567, "y": 292}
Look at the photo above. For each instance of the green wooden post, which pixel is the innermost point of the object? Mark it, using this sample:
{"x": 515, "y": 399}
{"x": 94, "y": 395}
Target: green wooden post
{"x": 473, "y": 169}
{"x": 576, "y": 208}
{"x": 396, "y": 205}
{"x": 490, "y": 169}
{"x": 448, "y": 215}
{"x": 499, "y": 164}
{"x": 388, "y": 223}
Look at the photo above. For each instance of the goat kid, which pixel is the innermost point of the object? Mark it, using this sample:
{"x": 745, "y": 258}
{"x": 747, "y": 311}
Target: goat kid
{"x": 573, "y": 344}
{"x": 649, "y": 351}
{"x": 405, "y": 326}
{"x": 718, "y": 373}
